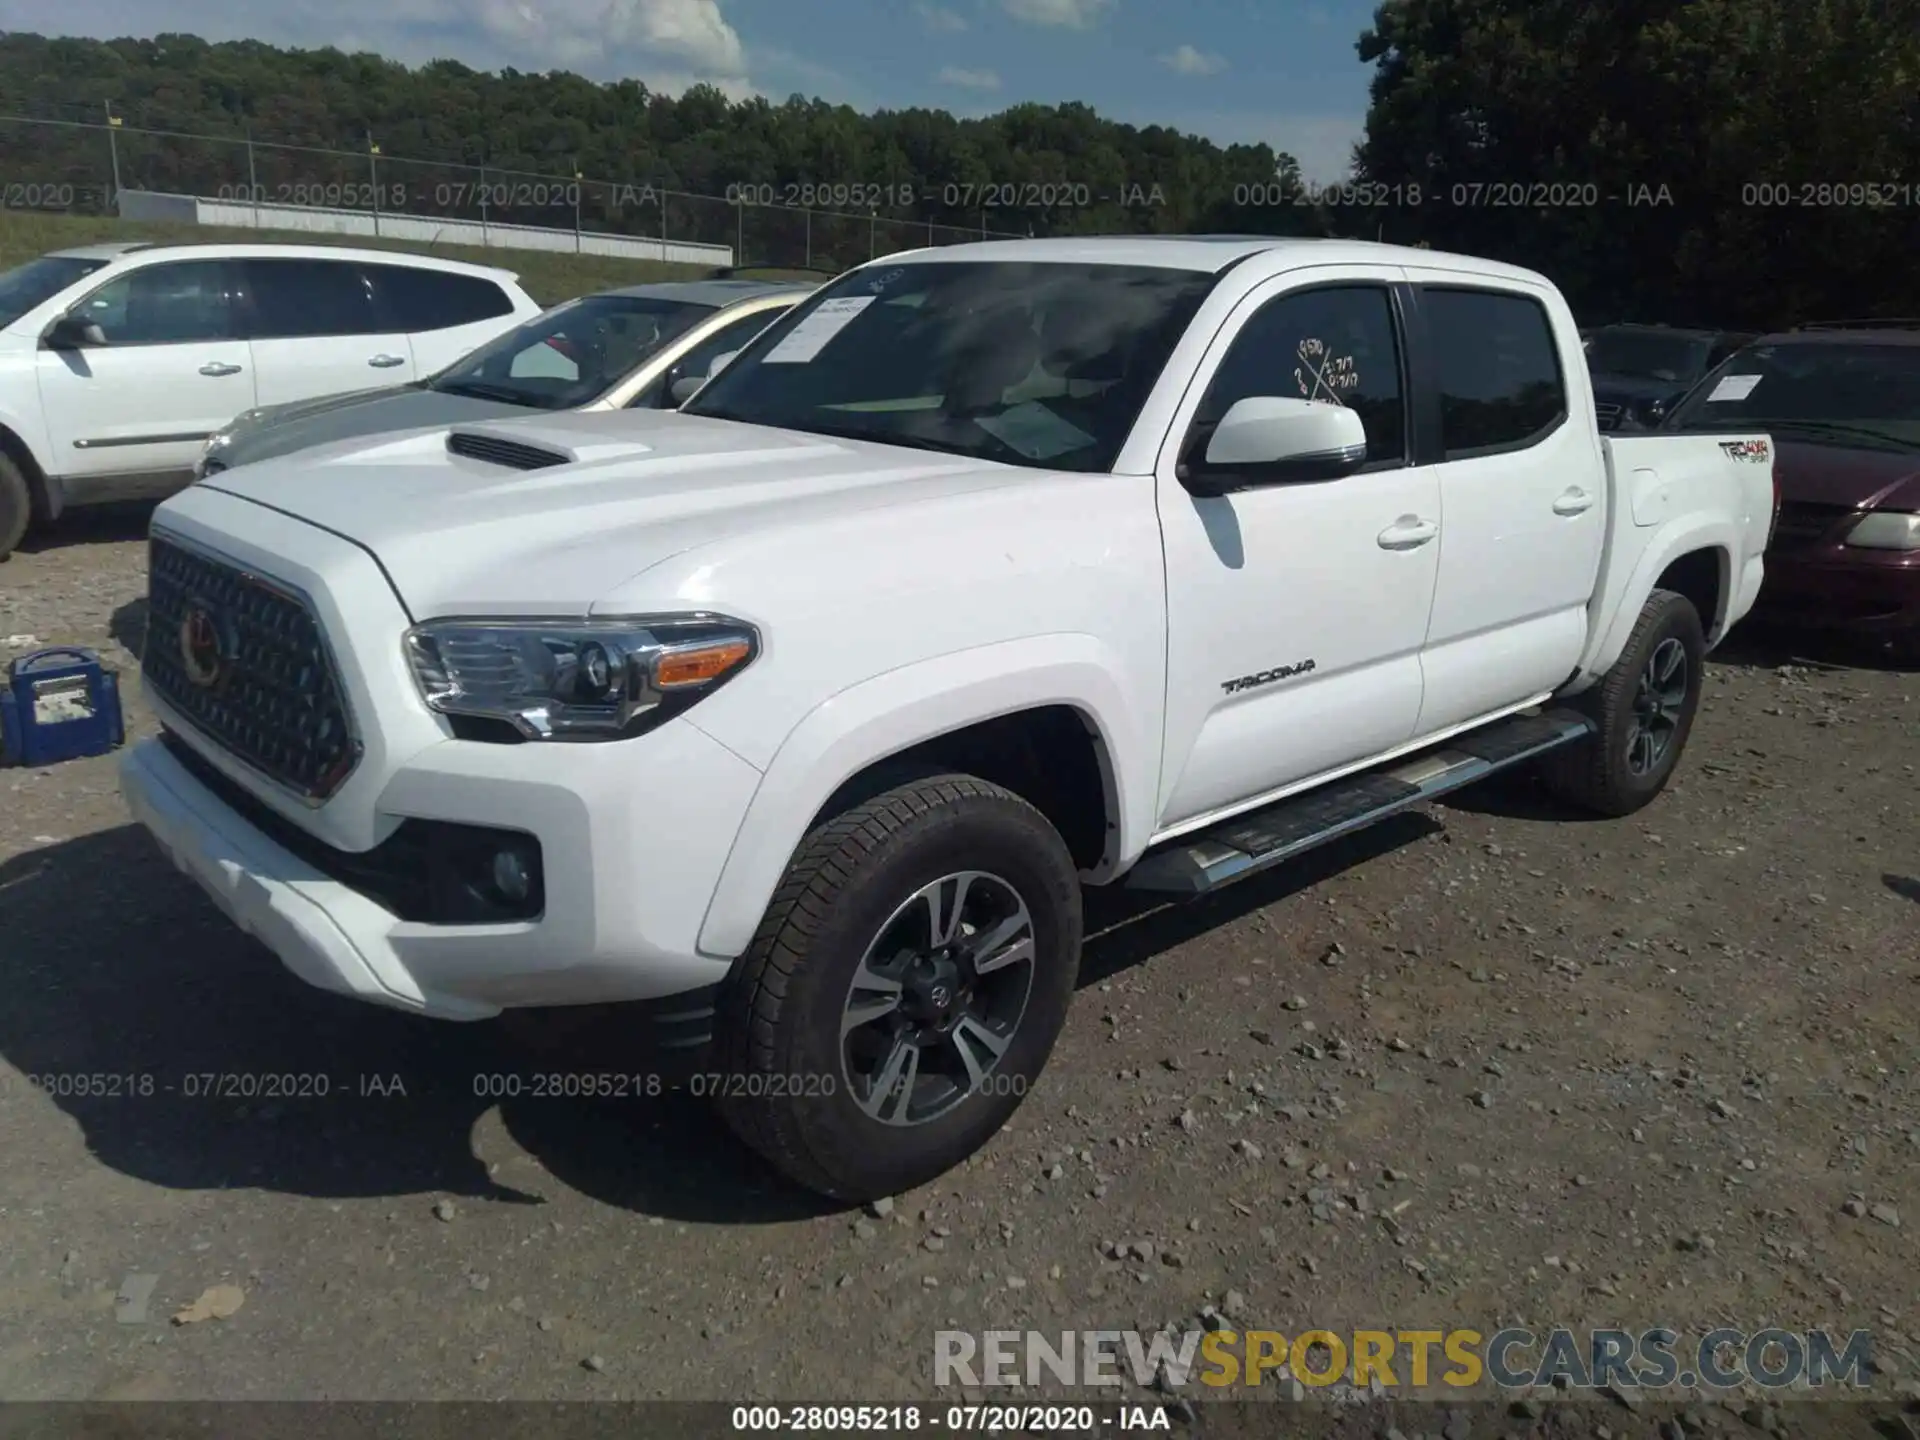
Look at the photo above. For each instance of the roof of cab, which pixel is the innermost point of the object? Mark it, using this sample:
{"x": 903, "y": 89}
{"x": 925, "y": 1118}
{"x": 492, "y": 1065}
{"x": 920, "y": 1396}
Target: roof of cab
{"x": 1208, "y": 254}
{"x": 267, "y": 250}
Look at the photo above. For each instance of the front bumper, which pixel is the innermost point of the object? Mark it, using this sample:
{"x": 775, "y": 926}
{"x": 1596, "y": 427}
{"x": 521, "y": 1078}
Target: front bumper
{"x": 1870, "y": 593}
{"x": 629, "y": 872}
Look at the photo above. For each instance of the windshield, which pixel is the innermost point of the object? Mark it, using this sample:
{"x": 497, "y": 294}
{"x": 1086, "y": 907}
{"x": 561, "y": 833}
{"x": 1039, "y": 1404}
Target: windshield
{"x": 1637, "y": 355}
{"x": 1839, "y": 392}
{"x": 1044, "y": 365}
{"x": 573, "y": 354}
{"x": 25, "y": 286}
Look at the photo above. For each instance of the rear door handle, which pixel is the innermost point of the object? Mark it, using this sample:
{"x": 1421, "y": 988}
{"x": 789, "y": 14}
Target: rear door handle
{"x": 219, "y": 367}
{"x": 1409, "y": 532}
{"x": 387, "y": 361}
{"x": 1575, "y": 502}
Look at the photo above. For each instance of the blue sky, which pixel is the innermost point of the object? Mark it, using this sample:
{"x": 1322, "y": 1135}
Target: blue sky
{"x": 1280, "y": 71}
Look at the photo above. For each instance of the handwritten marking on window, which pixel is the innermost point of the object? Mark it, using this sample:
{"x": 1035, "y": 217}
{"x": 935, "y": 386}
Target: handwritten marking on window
{"x": 1322, "y": 375}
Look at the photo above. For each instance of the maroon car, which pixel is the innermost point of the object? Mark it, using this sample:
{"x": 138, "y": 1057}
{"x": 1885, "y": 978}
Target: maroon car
{"x": 1843, "y": 407}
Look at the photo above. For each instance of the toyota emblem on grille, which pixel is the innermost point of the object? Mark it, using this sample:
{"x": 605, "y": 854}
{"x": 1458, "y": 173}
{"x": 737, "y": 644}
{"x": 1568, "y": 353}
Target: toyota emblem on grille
{"x": 203, "y": 653}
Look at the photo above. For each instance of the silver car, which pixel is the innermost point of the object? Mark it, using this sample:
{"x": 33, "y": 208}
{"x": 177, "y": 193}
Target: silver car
{"x": 643, "y": 346}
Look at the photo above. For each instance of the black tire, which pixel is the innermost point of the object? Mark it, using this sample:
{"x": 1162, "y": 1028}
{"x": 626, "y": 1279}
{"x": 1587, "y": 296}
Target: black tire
{"x": 1609, "y": 774}
{"x": 791, "y": 1092}
{"x": 16, "y": 505}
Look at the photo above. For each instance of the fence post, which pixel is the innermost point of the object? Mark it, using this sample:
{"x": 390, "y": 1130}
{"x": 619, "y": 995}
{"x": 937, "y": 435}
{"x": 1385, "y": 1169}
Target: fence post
{"x": 253, "y": 182}
{"x": 484, "y": 240}
{"x": 809, "y": 215}
{"x": 873, "y": 233}
{"x": 373, "y": 174}
{"x": 739, "y": 229}
{"x": 576, "y": 204}
{"x": 113, "y": 148}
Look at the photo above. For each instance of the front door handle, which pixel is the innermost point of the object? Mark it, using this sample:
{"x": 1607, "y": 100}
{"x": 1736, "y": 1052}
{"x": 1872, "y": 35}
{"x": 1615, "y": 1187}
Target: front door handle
{"x": 219, "y": 367}
{"x": 1409, "y": 532}
{"x": 386, "y": 362}
{"x": 1575, "y": 502}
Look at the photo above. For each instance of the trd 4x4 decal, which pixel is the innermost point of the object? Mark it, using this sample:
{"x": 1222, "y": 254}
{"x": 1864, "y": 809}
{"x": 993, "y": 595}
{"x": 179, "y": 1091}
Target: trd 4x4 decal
{"x": 1754, "y": 452}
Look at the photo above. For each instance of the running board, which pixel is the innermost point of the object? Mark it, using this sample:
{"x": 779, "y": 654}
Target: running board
{"x": 1246, "y": 844}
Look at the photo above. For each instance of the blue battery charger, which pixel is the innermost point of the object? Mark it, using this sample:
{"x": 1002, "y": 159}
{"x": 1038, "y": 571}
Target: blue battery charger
{"x": 59, "y": 704}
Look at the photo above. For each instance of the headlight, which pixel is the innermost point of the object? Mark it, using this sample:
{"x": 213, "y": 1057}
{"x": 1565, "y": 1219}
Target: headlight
{"x": 577, "y": 679}
{"x": 1886, "y": 530}
{"x": 218, "y": 441}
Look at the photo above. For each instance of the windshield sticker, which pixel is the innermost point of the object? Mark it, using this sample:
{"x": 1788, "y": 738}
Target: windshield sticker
{"x": 810, "y": 336}
{"x": 1754, "y": 452}
{"x": 1035, "y": 431}
{"x": 1734, "y": 387}
{"x": 1322, "y": 375}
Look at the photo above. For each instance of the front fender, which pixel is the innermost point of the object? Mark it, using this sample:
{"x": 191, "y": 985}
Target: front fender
{"x": 1620, "y": 606}
{"x": 889, "y": 713}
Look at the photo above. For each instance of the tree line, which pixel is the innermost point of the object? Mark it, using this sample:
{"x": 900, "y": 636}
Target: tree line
{"x": 1744, "y": 163}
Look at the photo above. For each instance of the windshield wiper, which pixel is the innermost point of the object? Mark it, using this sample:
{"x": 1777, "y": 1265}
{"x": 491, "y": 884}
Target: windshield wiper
{"x": 480, "y": 390}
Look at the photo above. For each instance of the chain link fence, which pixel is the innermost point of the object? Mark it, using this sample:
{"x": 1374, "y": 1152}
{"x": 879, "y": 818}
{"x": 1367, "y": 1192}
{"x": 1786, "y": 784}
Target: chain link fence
{"x": 101, "y": 167}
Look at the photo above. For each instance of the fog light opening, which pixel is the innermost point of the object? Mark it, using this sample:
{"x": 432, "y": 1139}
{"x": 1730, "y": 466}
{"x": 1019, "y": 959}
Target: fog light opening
{"x": 511, "y": 875}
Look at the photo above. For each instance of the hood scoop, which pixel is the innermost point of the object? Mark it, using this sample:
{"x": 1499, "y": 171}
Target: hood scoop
{"x": 521, "y": 445}
{"x": 497, "y": 450}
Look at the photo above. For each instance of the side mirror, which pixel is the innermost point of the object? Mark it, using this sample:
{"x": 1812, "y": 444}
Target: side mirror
{"x": 1273, "y": 440}
{"x": 683, "y": 388}
{"x": 70, "y": 332}
{"x": 720, "y": 362}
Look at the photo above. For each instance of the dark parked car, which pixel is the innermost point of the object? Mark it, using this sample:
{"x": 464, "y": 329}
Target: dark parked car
{"x": 1640, "y": 370}
{"x": 1843, "y": 407}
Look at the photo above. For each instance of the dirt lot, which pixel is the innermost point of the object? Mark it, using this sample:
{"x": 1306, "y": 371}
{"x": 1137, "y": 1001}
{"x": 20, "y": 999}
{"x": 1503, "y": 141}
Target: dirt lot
{"x": 1486, "y": 1065}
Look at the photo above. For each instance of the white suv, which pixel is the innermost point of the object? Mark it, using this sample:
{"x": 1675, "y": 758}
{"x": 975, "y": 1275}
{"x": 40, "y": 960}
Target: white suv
{"x": 118, "y": 361}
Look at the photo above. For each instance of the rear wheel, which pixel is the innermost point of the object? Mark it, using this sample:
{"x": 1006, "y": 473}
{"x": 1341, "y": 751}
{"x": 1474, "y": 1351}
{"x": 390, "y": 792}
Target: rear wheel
{"x": 1644, "y": 708}
{"x": 16, "y": 505}
{"x": 904, "y": 990}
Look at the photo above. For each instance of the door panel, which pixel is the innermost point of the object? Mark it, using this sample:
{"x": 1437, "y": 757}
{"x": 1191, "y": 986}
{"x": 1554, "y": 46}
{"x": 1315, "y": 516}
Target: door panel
{"x": 316, "y": 332}
{"x": 445, "y": 316}
{"x": 130, "y": 417}
{"x": 1329, "y": 583}
{"x": 1523, "y": 496}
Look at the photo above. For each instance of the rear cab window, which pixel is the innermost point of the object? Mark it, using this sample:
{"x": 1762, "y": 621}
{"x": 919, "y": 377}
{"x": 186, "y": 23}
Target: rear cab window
{"x": 1496, "y": 366}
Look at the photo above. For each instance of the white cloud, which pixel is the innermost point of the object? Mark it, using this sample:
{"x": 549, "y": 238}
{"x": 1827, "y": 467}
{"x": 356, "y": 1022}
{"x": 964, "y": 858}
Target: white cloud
{"x": 666, "y": 43}
{"x": 1188, "y": 61}
{"x": 691, "y": 36}
{"x": 1063, "y": 14}
{"x": 970, "y": 79}
{"x": 940, "y": 19}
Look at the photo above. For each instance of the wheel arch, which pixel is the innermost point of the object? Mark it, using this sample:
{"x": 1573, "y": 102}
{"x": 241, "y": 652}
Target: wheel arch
{"x": 1696, "y": 561}
{"x": 971, "y": 712}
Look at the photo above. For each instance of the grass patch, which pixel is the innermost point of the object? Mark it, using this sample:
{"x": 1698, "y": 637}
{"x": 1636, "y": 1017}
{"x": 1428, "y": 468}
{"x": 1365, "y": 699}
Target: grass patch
{"x": 548, "y": 276}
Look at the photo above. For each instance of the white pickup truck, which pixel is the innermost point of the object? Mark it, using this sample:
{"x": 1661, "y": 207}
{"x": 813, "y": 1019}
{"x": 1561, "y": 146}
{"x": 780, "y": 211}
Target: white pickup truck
{"x": 991, "y": 572}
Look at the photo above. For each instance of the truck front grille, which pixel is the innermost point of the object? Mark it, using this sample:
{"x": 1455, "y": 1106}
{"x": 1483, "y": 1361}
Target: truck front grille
{"x": 243, "y": 659}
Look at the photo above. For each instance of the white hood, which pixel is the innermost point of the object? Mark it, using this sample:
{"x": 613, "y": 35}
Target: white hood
{"x": 461, "y": 536}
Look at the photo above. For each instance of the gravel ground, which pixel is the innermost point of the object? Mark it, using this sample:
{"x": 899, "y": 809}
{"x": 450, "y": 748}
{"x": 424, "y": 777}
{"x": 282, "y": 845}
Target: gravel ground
{"x": 1484, "y": 1064}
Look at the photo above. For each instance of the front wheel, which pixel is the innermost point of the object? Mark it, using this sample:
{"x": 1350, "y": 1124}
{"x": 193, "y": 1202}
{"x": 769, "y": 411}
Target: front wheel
{"x": 16, "y": 505}
{"x": 1644, "y": 708}
{"x": 904, "y": 990}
